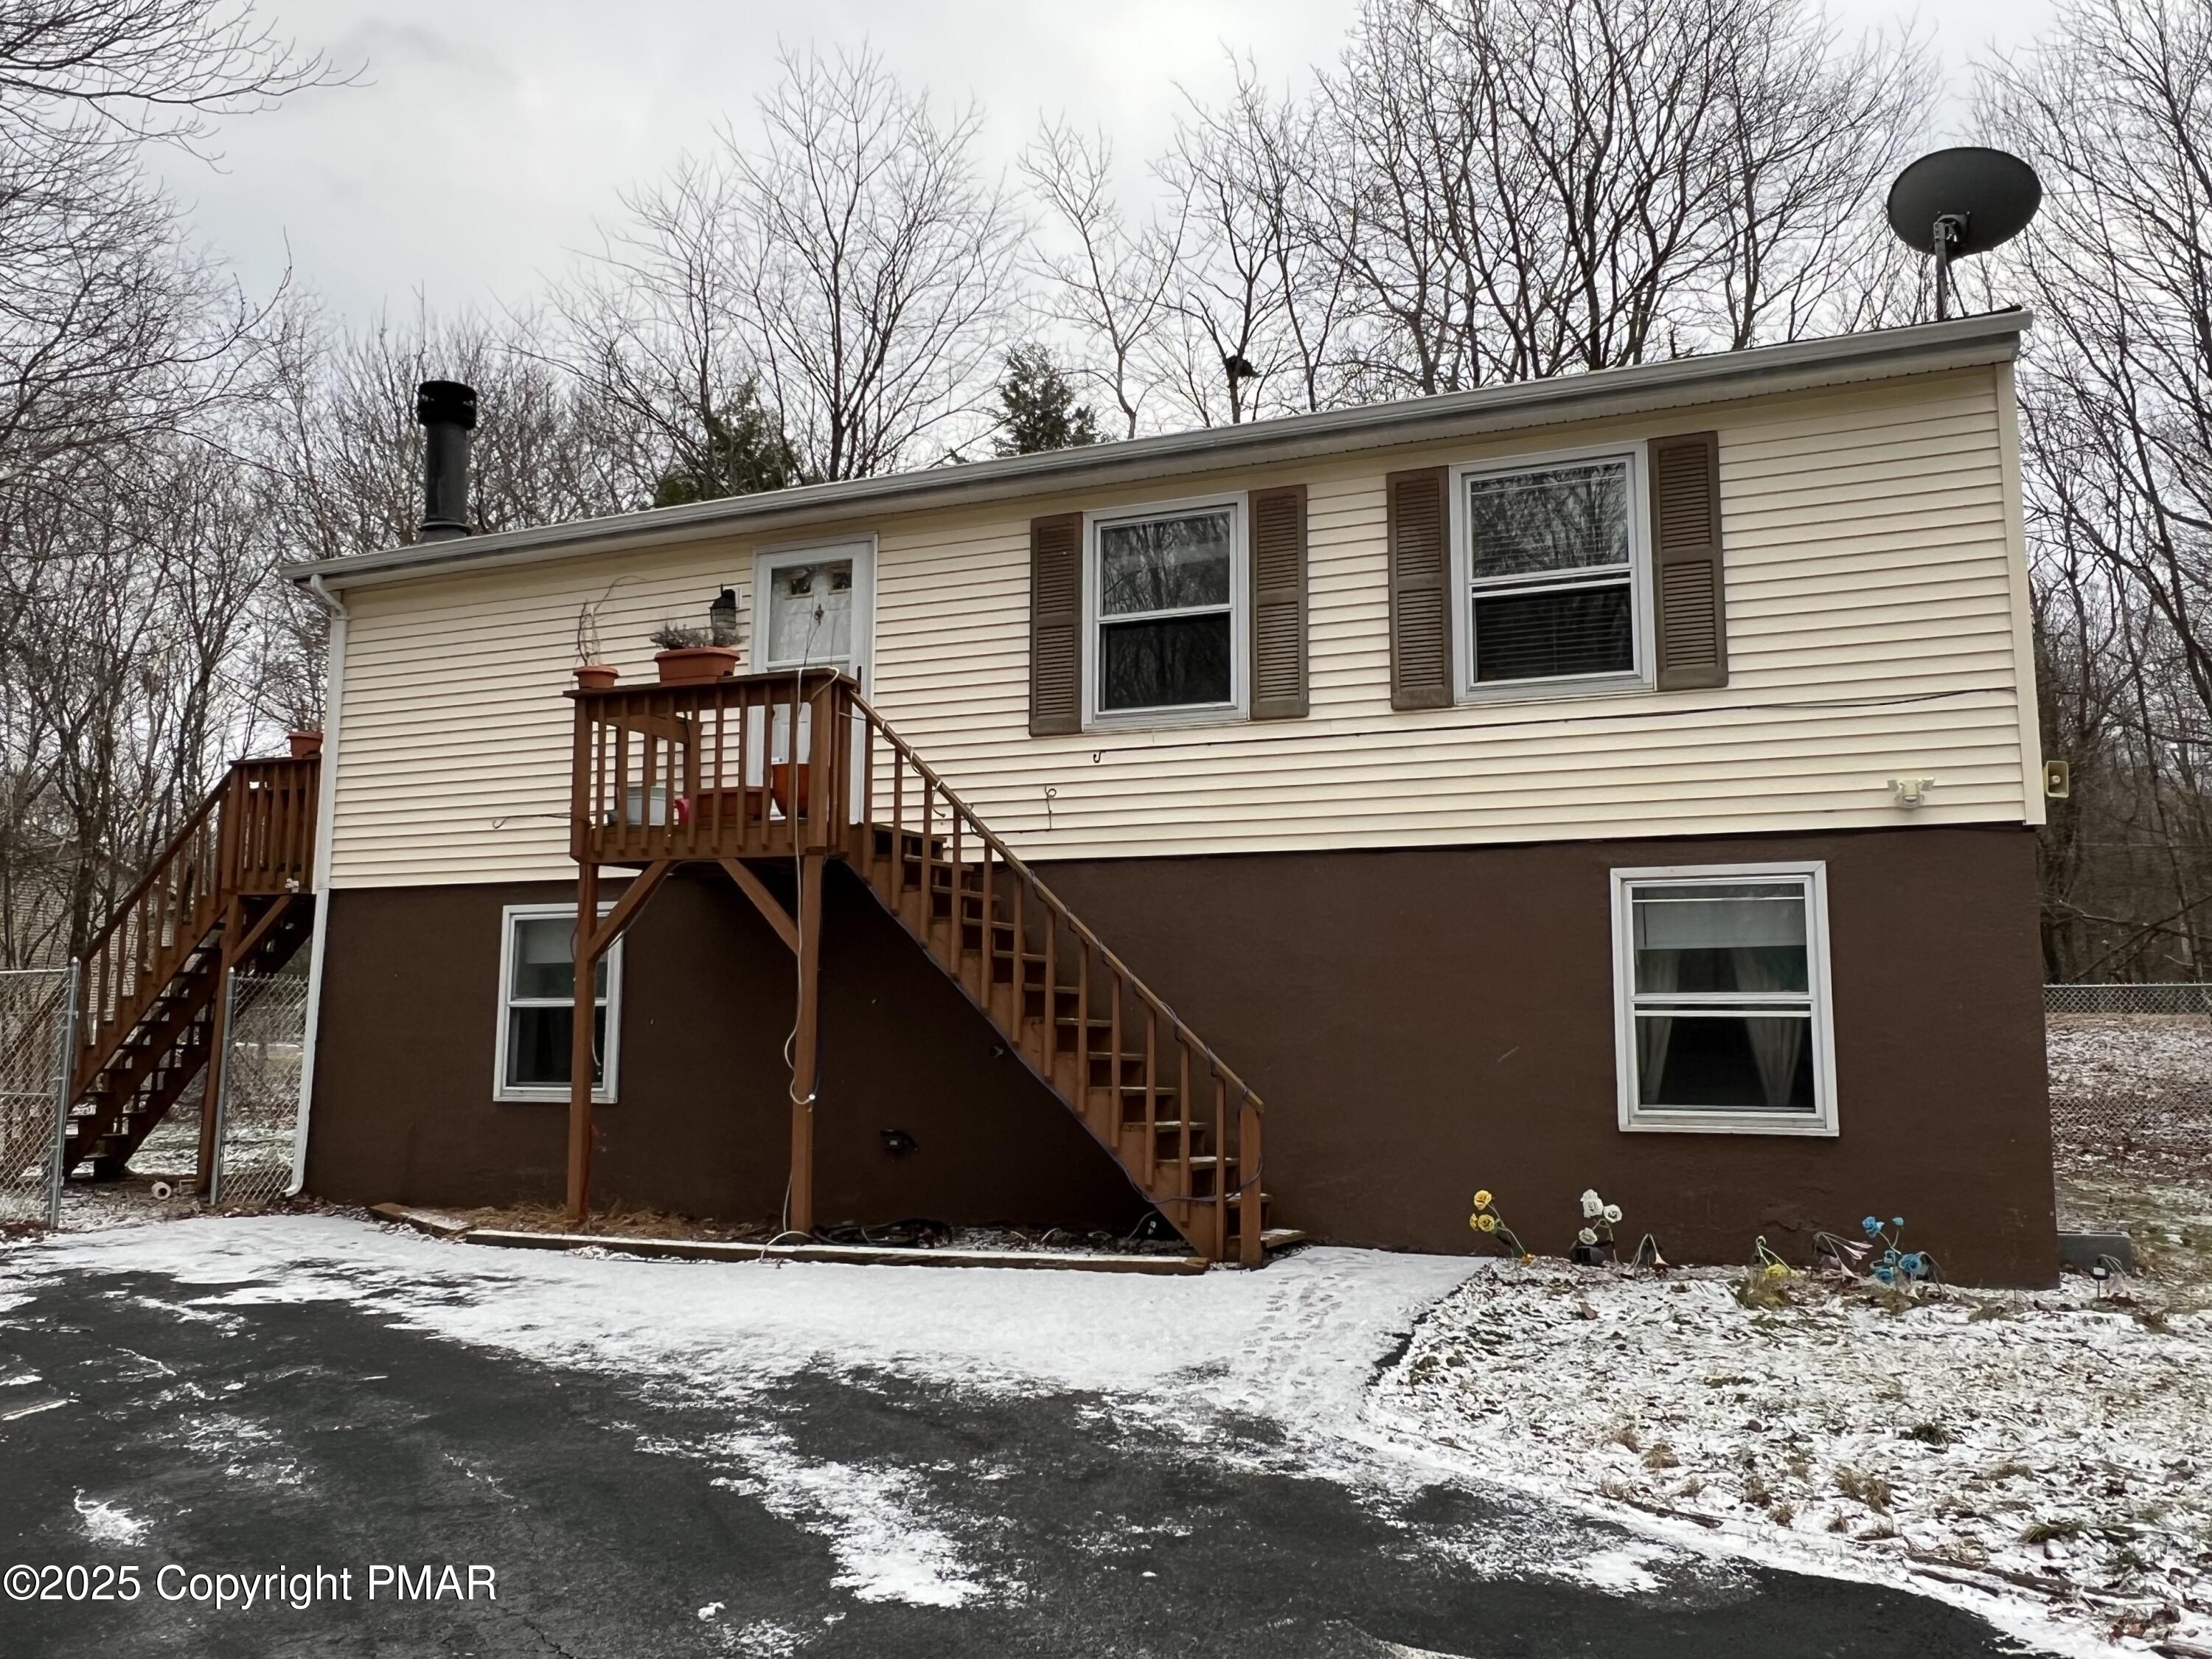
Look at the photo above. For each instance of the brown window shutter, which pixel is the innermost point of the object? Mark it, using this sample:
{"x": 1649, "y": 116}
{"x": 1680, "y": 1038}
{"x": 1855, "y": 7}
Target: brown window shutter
{"x": 1686, "y": 554}
{"x": 1056, "y": 625}
{"x": 1278, "y": 603}
{"x": 1420, "y": 600}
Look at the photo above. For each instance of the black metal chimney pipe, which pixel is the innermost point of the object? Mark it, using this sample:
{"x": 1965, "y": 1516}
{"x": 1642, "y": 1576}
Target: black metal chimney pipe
{"x": 446, "y": 411}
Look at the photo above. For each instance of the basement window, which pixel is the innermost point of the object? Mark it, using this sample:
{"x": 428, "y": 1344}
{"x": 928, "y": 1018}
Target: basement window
{"x": 536, "y": 1005}
{"x": 1551, "y": 560}
{"x": 1165, "y": 589}
{"x": 1721, "y": 982}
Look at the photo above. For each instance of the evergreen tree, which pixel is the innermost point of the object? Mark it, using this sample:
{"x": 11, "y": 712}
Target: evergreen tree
{"x": 742, "y": 452}
{"x": 1040, "y": 411}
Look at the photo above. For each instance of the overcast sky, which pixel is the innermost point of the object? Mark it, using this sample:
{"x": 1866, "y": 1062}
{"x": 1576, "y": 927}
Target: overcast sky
{"x": 491, "y": 134}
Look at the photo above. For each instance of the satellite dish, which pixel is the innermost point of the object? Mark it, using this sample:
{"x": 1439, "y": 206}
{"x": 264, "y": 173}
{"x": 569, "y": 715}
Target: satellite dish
{"x": 1956, "y": 202}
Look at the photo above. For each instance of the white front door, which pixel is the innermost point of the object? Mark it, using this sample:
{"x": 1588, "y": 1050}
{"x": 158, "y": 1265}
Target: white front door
{"x": 815, "y": 607}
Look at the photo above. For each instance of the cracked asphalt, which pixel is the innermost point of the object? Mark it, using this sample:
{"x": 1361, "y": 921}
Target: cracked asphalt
{"x": 320, "y": 1433}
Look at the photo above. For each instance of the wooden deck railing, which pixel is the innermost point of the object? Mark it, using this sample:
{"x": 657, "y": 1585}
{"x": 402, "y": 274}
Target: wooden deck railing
{"x": 706, "y": 771}
{"x": 253, "y": 835}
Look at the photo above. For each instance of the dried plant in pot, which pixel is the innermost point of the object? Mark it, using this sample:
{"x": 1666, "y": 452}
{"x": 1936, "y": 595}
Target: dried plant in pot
{"x": 304, "y": 744}
{"x": 688, "y": 656}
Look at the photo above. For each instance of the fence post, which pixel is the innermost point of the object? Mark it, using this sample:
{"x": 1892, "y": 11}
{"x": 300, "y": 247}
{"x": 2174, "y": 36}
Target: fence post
{"x": 64, "y": 1073}
{"x": 226, "y": 1024}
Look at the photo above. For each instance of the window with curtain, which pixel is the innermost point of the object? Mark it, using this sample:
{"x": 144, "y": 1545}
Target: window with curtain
{"x": 1723, "y": 999}
{"x": 1551, "y": 555}
{"x": 1166, "y": 595}
{"x": 538, "y": 981}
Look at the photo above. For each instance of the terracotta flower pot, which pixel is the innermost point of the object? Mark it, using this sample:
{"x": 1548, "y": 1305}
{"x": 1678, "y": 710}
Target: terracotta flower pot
{"x": 306, "y": 746}
{"x": 697, "y": 665}
{"x": 780, "y": 788}
{"x": 595, "y": 676}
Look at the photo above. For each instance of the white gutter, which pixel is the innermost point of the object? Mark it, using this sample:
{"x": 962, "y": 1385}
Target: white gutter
{"x": 326, "y": 797}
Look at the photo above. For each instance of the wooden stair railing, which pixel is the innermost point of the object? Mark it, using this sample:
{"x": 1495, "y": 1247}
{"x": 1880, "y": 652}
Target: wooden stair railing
{"x": 232, "y": 889}
{"x": 1186, "y": 1128}
{"x": 668, "y": 774}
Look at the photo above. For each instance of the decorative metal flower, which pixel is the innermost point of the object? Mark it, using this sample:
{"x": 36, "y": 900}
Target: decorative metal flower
{"x": 1488, "y": 1223}
{"x": 1587, "y": 1235}
{"x": 1612, "y": 1213}
{"x": 1593, "y": 1206}
{"x": 1482, "y": 1199}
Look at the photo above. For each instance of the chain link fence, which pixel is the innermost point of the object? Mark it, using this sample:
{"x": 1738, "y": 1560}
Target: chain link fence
{"x": 35, "y": 1005}
{"x": 257, "y": 1116}
{"x": 2132, "y": 1075}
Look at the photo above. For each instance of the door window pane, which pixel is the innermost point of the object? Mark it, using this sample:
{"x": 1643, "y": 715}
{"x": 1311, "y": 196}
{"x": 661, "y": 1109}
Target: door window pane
{"x": 810, "y": 614}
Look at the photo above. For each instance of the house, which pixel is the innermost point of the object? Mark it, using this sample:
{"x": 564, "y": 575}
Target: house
{"x": 1625, "y": 781}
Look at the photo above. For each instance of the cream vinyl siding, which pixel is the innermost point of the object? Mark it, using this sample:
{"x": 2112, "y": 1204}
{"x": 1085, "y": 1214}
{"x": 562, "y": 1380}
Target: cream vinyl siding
{"x": 1875, "y": 603}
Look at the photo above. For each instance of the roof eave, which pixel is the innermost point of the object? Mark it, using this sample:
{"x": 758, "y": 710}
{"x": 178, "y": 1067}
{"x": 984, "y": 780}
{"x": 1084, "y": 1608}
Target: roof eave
{"x": 1808, "y": 365}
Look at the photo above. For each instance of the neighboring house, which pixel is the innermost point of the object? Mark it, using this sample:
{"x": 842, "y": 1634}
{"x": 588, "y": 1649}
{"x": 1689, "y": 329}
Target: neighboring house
{"x": 1622, "y": 781}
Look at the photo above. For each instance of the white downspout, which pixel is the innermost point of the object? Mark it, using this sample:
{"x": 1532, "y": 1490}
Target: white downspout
{"x": 326, "y": 796}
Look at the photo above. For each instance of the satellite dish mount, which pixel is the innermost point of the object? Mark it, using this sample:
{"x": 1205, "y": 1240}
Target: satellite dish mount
{"x": 1957, "y": 202}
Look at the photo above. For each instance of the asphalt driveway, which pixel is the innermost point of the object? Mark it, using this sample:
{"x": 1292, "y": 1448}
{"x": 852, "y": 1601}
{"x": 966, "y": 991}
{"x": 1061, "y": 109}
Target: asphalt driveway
{"x": 617, "y": 1517}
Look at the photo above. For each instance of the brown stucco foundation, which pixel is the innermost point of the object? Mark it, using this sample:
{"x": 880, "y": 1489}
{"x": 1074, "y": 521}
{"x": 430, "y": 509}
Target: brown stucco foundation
{"x": 1420, "y": 1021}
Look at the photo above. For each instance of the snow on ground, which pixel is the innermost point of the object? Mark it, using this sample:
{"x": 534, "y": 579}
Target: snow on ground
{"x": 2051, "y": 1443}
{"x": 1936, "y": 1441}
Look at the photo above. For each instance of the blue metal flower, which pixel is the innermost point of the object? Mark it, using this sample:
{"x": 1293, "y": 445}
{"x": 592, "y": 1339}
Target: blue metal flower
{"x": 1885, "y": 1275}
{"x": 1897, "y": 1221}
{"x": 1872, "y": 1226}
{"x": 1914, "y": 1265}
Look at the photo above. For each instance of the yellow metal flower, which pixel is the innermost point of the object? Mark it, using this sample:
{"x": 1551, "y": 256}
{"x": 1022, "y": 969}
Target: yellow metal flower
{"x": 1488, "y": 1223}
{"x": 1777, "y": 1270}
{"x": 1527, "y": 1258}
{"x": 1482, "y": 1199}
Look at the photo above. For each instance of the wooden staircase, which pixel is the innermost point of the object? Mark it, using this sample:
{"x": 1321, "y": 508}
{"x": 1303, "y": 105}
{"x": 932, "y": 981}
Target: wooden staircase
{"x": 232, "y": 890}
{"x": 665, "y": 775}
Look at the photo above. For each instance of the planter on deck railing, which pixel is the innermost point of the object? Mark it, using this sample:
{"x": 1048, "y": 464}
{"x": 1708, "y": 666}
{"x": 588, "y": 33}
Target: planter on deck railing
{"x": 696, "y": 664}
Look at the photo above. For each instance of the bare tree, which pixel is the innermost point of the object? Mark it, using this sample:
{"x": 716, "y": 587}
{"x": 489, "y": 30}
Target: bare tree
{"x": 877, "y": 261}
{"x": 1109, "y": 285}
{"x": 657, "y": 329}
{"x": 2115, "y": 107}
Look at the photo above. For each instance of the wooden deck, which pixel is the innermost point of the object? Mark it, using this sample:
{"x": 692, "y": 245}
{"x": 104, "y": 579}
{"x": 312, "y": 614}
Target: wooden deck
{"x": 798, "y": 767}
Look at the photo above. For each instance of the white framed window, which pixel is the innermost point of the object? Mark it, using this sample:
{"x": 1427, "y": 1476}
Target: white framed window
{"x": 1165, "y": 599}
{"x": 1724, "y": 1022}
{"x": 1551, "y": 565}
{"x": 814, "y": 607}
{"x": 538, "y": 1007}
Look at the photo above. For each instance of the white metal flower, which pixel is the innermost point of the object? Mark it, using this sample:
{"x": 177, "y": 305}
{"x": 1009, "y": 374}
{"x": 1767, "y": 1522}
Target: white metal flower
{"x": 1587, "y": 1235}
{"x": 1593, "y": 1206}
{"x": 1613, "y": 1215}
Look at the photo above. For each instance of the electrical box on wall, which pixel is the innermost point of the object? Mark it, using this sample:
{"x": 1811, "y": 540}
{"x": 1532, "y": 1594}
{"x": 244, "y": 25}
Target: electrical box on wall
{"x": 2057, "y": 780}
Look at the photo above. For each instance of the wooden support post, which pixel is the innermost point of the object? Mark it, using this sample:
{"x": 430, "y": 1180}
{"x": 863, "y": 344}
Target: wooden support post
{"x": 234, "y": 926}
{"x": 806, "y": 1043}
{"x": 1251, "y": 1168}
{"x": 579, "y": 1044}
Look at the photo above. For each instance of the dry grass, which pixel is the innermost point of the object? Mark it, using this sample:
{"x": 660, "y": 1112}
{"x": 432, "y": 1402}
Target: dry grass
{"x": 616, "y": 1220}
